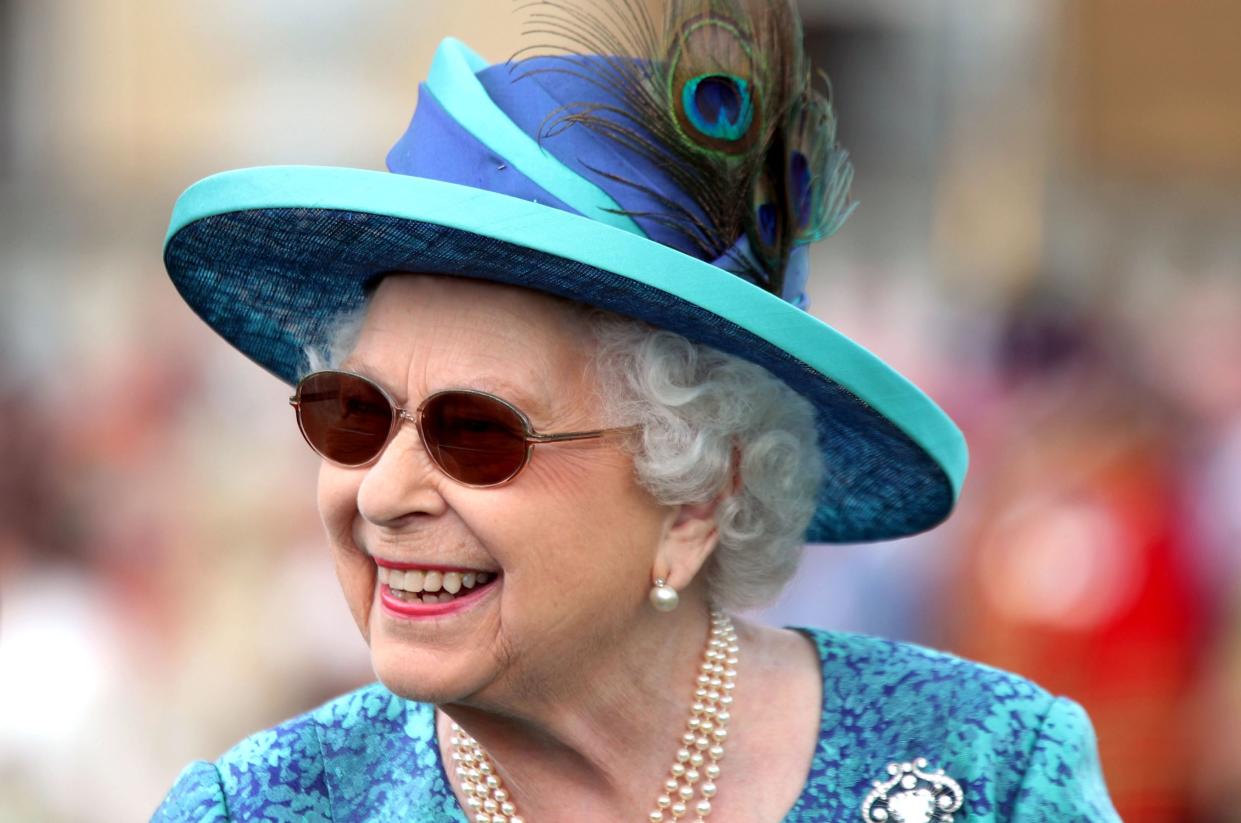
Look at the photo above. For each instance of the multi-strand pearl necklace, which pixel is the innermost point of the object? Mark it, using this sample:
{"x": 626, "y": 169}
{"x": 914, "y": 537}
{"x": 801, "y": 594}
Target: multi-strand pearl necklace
{"x": 693, "y": 773}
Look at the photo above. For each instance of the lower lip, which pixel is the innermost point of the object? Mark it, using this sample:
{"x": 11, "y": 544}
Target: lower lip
{"x": 414, "y": 609}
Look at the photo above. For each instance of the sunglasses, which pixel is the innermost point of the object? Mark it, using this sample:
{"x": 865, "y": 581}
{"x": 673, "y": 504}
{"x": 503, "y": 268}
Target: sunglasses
{"x": 475, "y": 438}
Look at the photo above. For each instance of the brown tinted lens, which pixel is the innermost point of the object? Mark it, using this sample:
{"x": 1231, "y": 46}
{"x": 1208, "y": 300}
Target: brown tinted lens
{"x": 345, "y": 418}
{"x": 473, "y": 438}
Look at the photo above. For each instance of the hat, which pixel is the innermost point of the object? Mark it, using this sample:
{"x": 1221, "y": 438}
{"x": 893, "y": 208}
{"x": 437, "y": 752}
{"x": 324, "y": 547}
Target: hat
{"x": 546, "y": 173}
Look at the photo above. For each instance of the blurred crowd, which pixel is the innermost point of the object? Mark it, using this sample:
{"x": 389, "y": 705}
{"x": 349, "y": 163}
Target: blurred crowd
{"x": 164, "y": 587}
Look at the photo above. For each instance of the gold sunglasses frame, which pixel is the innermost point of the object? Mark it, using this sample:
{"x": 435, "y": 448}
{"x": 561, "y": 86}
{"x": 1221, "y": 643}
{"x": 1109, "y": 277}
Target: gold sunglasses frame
{"x": 400, "y": 414}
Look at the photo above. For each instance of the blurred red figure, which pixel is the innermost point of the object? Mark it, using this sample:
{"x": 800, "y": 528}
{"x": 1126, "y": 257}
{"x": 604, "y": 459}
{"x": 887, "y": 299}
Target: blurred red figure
{"x": 1078, "y": 564}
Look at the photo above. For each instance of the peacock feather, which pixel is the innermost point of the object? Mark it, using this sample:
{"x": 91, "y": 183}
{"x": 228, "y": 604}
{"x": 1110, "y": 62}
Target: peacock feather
{"x": 723, "y": 101}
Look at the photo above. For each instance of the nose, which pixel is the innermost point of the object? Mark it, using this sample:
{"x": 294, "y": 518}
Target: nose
{"x": 402, "y": 484}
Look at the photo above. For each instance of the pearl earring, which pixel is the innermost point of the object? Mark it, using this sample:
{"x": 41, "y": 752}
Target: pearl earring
{"x": 663, "y": 597}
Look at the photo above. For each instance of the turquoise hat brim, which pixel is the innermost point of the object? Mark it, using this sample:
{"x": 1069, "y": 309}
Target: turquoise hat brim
{"x": 269, "y": 256}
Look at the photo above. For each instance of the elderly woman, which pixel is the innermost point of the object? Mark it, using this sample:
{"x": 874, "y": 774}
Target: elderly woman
{"x": 571, "y": 415}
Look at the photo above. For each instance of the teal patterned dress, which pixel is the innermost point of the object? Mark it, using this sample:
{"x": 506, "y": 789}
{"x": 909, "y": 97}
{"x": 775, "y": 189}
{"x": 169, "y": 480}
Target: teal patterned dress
{"x": 1017, "y": 753}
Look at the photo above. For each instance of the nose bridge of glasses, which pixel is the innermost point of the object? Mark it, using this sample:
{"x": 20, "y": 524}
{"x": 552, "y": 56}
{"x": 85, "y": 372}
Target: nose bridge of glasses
{"x": 402, "y": 415}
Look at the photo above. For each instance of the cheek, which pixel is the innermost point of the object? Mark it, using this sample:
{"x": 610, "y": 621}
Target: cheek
{"x": 577, "y": 536}
{"x": 337, "y": 499}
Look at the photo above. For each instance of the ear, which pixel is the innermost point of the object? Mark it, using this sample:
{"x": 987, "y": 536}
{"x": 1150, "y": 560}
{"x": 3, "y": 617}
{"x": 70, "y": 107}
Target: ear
{"x": 690, "y": 535}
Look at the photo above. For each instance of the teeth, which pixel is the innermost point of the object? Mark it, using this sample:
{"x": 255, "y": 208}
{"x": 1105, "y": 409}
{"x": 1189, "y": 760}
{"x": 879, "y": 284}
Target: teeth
{"x": 445, "y": 597}
{"x": 430, "y": 598}
{"x": 435, "y": 584}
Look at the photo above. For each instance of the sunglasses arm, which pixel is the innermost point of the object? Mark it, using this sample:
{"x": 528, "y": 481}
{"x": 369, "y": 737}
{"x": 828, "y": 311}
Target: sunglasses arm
{"x": 561, "y": 438}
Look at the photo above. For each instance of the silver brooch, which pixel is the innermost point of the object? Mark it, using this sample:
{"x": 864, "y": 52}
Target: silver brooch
{"x": 913, "y": 795}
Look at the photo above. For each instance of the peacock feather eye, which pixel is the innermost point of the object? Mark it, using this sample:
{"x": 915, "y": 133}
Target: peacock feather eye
{"x": 719, "y": 106}
{"x": 712, "y": 86}
{"x": 767, "y": 217}
{"x": 801, "y": 188}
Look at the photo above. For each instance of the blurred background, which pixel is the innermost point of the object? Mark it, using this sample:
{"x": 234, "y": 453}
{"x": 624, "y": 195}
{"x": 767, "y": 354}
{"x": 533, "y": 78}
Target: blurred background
{"x": 1048, "y": 242}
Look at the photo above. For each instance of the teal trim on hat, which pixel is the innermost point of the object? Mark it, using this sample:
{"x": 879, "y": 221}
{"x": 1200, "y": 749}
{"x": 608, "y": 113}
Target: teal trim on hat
{"x": 269, "y": 257}
{"x": 453, "y": 83}
{"x": 572, "y": 237}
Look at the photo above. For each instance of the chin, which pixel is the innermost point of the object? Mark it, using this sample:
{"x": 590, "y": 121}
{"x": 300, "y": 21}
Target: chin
{"x": 426, "y": 675}
{"x": 417, "y": 689}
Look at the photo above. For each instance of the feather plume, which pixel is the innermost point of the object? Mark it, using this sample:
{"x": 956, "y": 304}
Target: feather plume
{"x": 721, "y": 99}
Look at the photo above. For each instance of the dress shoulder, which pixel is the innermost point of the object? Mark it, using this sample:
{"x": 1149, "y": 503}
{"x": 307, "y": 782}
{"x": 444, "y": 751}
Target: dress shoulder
{"x": 1017, "y": 751}
{"x": 196, "y": 796}
{"x": 366, "y": 755}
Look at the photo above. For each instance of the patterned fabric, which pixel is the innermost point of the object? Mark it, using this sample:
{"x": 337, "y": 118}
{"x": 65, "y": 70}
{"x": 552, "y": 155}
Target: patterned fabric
{"x": 1020, "y": 754}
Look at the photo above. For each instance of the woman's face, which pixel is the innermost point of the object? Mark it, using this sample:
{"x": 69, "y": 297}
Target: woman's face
{"x": 570, "y": 542}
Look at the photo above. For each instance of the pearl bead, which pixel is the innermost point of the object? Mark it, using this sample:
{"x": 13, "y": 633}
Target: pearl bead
{"x": 708, "y": 789}
{"x": 703, "y": 808}
{"x": 712, "y": 770}
{"x": 678, "y": 809}
{"x": 655, "y": 816}
{"x": 664, "y": 598}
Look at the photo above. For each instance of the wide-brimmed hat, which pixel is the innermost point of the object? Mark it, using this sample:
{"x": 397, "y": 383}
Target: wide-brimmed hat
{"x": 503, "y": 176}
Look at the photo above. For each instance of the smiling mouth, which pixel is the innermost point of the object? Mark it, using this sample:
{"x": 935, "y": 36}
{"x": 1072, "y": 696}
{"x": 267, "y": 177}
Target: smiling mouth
{"x": 432, "y": 585}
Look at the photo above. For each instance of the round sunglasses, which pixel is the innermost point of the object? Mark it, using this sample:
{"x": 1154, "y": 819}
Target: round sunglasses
{"x": 476, "y": 438}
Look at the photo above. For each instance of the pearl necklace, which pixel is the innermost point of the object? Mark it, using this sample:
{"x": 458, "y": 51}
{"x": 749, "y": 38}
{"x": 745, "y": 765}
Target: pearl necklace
{"x": 702, "y": 745}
